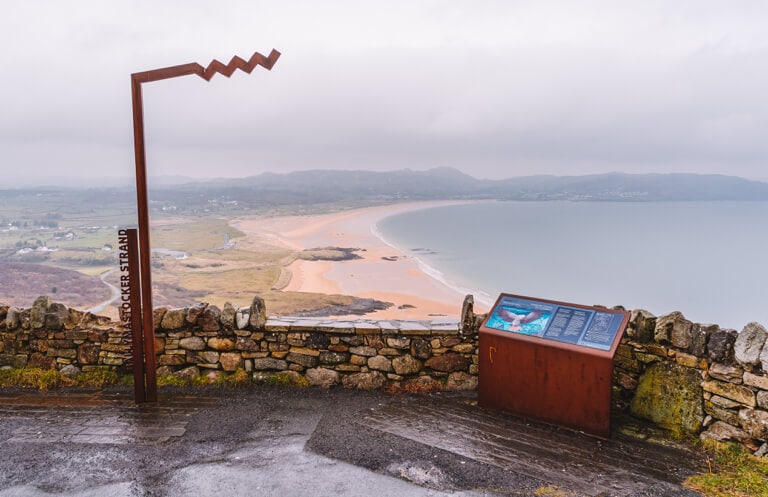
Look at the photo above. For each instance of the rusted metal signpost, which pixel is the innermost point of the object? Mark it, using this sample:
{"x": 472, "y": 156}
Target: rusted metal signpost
{"x": 140, "y": 284}
{"x": 551, "y": 361}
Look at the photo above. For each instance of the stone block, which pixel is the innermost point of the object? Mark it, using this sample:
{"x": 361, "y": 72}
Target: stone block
{"x": 399, "y": 342}
{"x": 724, "y": 372}
{"x": 189, "y": 373}
{"x": 405, "y": 365}
{"x": 227, "y": 317}
{"x": 421, "y": 348}
{"x": 461, "y": 381}
{"x": 464, "y": 348}
{"x": 305, "y": 351}
{"x": 168, "y": 360}
{"x": 762, "y": 399}
{"x": 321, "y": 377}
{"x": 642, "y": 325}
{"x": 242, "y": 319}
{"x": 749, "y": 343}
{"x": 193, "y": 312}
{"x": 687, "y": 360}
{"x": 670, "y": 396}
{"x": 307, "y": 361}
{"x": 720, "y": 345}
{"x": 754, "y": 380}
{"x": 723, "y": 402}
{"x": 700, "y": 338}
{"x": 330, "y": 357}
{"x": 358, "y": 360}
{"x": 231, "y": 361}
{"x": 423, "y": 384}
{"x": 88, "y": 353}
{"x": 380, "y": 363}
{"x": 173, "y": 319}
{"x": 204, "y": 356}
{"x": 68, "y": 353}
{"x": 209, "y": 319}
{"x": 157, "y": 316}
{"x": 192, "y": 343}
{"x": 37, "y": 312}
{"x": 258, "y": 313}
{"x": 247, "y": 344}
{"x": 373, "y": 380}
{"x": 674, "y": 329}
{"x": 449, "y": 362}
{"x": 347, "y": 368}
{"x": 363, "y": 351}
{"x": 723, "y": 432}
{"x": 739, "y": 393}
{"x": 221, "y": 344}
{"x": 754, "y": 422}
{"x": 269, "y": 363}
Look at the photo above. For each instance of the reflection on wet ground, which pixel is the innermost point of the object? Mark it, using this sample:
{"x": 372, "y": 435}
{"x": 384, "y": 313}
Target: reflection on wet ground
{"x": 272, "y": 441}
{"x": 568, "y": 458}
{"x": 71, "y": 418}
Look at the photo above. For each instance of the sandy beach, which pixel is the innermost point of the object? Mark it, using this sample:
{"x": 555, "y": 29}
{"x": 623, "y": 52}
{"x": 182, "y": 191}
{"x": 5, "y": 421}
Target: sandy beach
{"x": 383, "y": 272}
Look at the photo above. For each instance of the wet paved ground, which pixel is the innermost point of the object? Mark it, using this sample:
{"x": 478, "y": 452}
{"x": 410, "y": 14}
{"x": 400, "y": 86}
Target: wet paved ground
{"x": 272, "y": 441}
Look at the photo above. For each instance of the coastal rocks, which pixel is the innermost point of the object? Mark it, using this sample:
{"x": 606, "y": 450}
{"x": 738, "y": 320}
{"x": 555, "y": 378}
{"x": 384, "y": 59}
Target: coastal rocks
{"x": 749, "y": 344}
{"x": 670, "y": 396}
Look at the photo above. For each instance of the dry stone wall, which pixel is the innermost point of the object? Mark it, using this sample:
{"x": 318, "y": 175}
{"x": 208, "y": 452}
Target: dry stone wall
{"x": 688, "y": 377}
{"x": 205, "y": 340}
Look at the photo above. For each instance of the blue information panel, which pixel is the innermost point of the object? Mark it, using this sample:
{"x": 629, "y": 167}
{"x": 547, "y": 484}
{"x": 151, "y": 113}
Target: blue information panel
{"x": 588, "y": 327}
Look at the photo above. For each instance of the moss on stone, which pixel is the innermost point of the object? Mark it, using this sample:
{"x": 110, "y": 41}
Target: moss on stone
{"x": 670, "y": 396}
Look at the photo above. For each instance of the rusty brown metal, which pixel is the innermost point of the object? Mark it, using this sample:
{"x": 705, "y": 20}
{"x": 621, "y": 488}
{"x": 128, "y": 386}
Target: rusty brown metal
{"x": 137, "y": 335}
{"x": 561, "y": 383}
{"x": 142, "y": 198}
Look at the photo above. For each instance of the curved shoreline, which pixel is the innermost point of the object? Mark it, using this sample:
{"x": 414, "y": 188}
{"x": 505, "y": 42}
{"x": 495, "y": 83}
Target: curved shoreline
{"x": 384, "y": 272}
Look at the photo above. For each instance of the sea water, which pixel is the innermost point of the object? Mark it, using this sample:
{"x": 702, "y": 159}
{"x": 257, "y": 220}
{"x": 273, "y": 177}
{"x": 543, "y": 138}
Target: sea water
{"x": 705, "y": 259}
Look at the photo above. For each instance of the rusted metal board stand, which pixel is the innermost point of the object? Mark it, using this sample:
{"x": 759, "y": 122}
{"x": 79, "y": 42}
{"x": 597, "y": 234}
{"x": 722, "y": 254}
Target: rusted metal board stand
{"x": 551, "y": 361}
{"x": 141, "y": 272}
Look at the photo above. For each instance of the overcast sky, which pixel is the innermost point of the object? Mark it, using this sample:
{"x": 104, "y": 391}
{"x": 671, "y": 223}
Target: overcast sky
{"x": 494, "y": 88}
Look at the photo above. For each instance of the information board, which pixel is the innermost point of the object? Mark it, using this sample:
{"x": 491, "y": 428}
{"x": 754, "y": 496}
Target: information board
{"x": 592, "y": 327}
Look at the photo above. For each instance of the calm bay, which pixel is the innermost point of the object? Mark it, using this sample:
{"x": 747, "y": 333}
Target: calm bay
{"x": 705, "y": 259}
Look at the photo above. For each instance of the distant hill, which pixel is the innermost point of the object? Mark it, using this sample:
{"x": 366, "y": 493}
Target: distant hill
{"x": 307, "y": 190}
{"x": 330, "y": 186}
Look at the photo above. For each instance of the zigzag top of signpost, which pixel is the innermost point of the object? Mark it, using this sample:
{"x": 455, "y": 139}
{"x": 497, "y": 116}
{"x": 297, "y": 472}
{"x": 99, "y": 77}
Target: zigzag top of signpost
{"x": 237, "y": 63}
{"x": 214, "y": 67}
